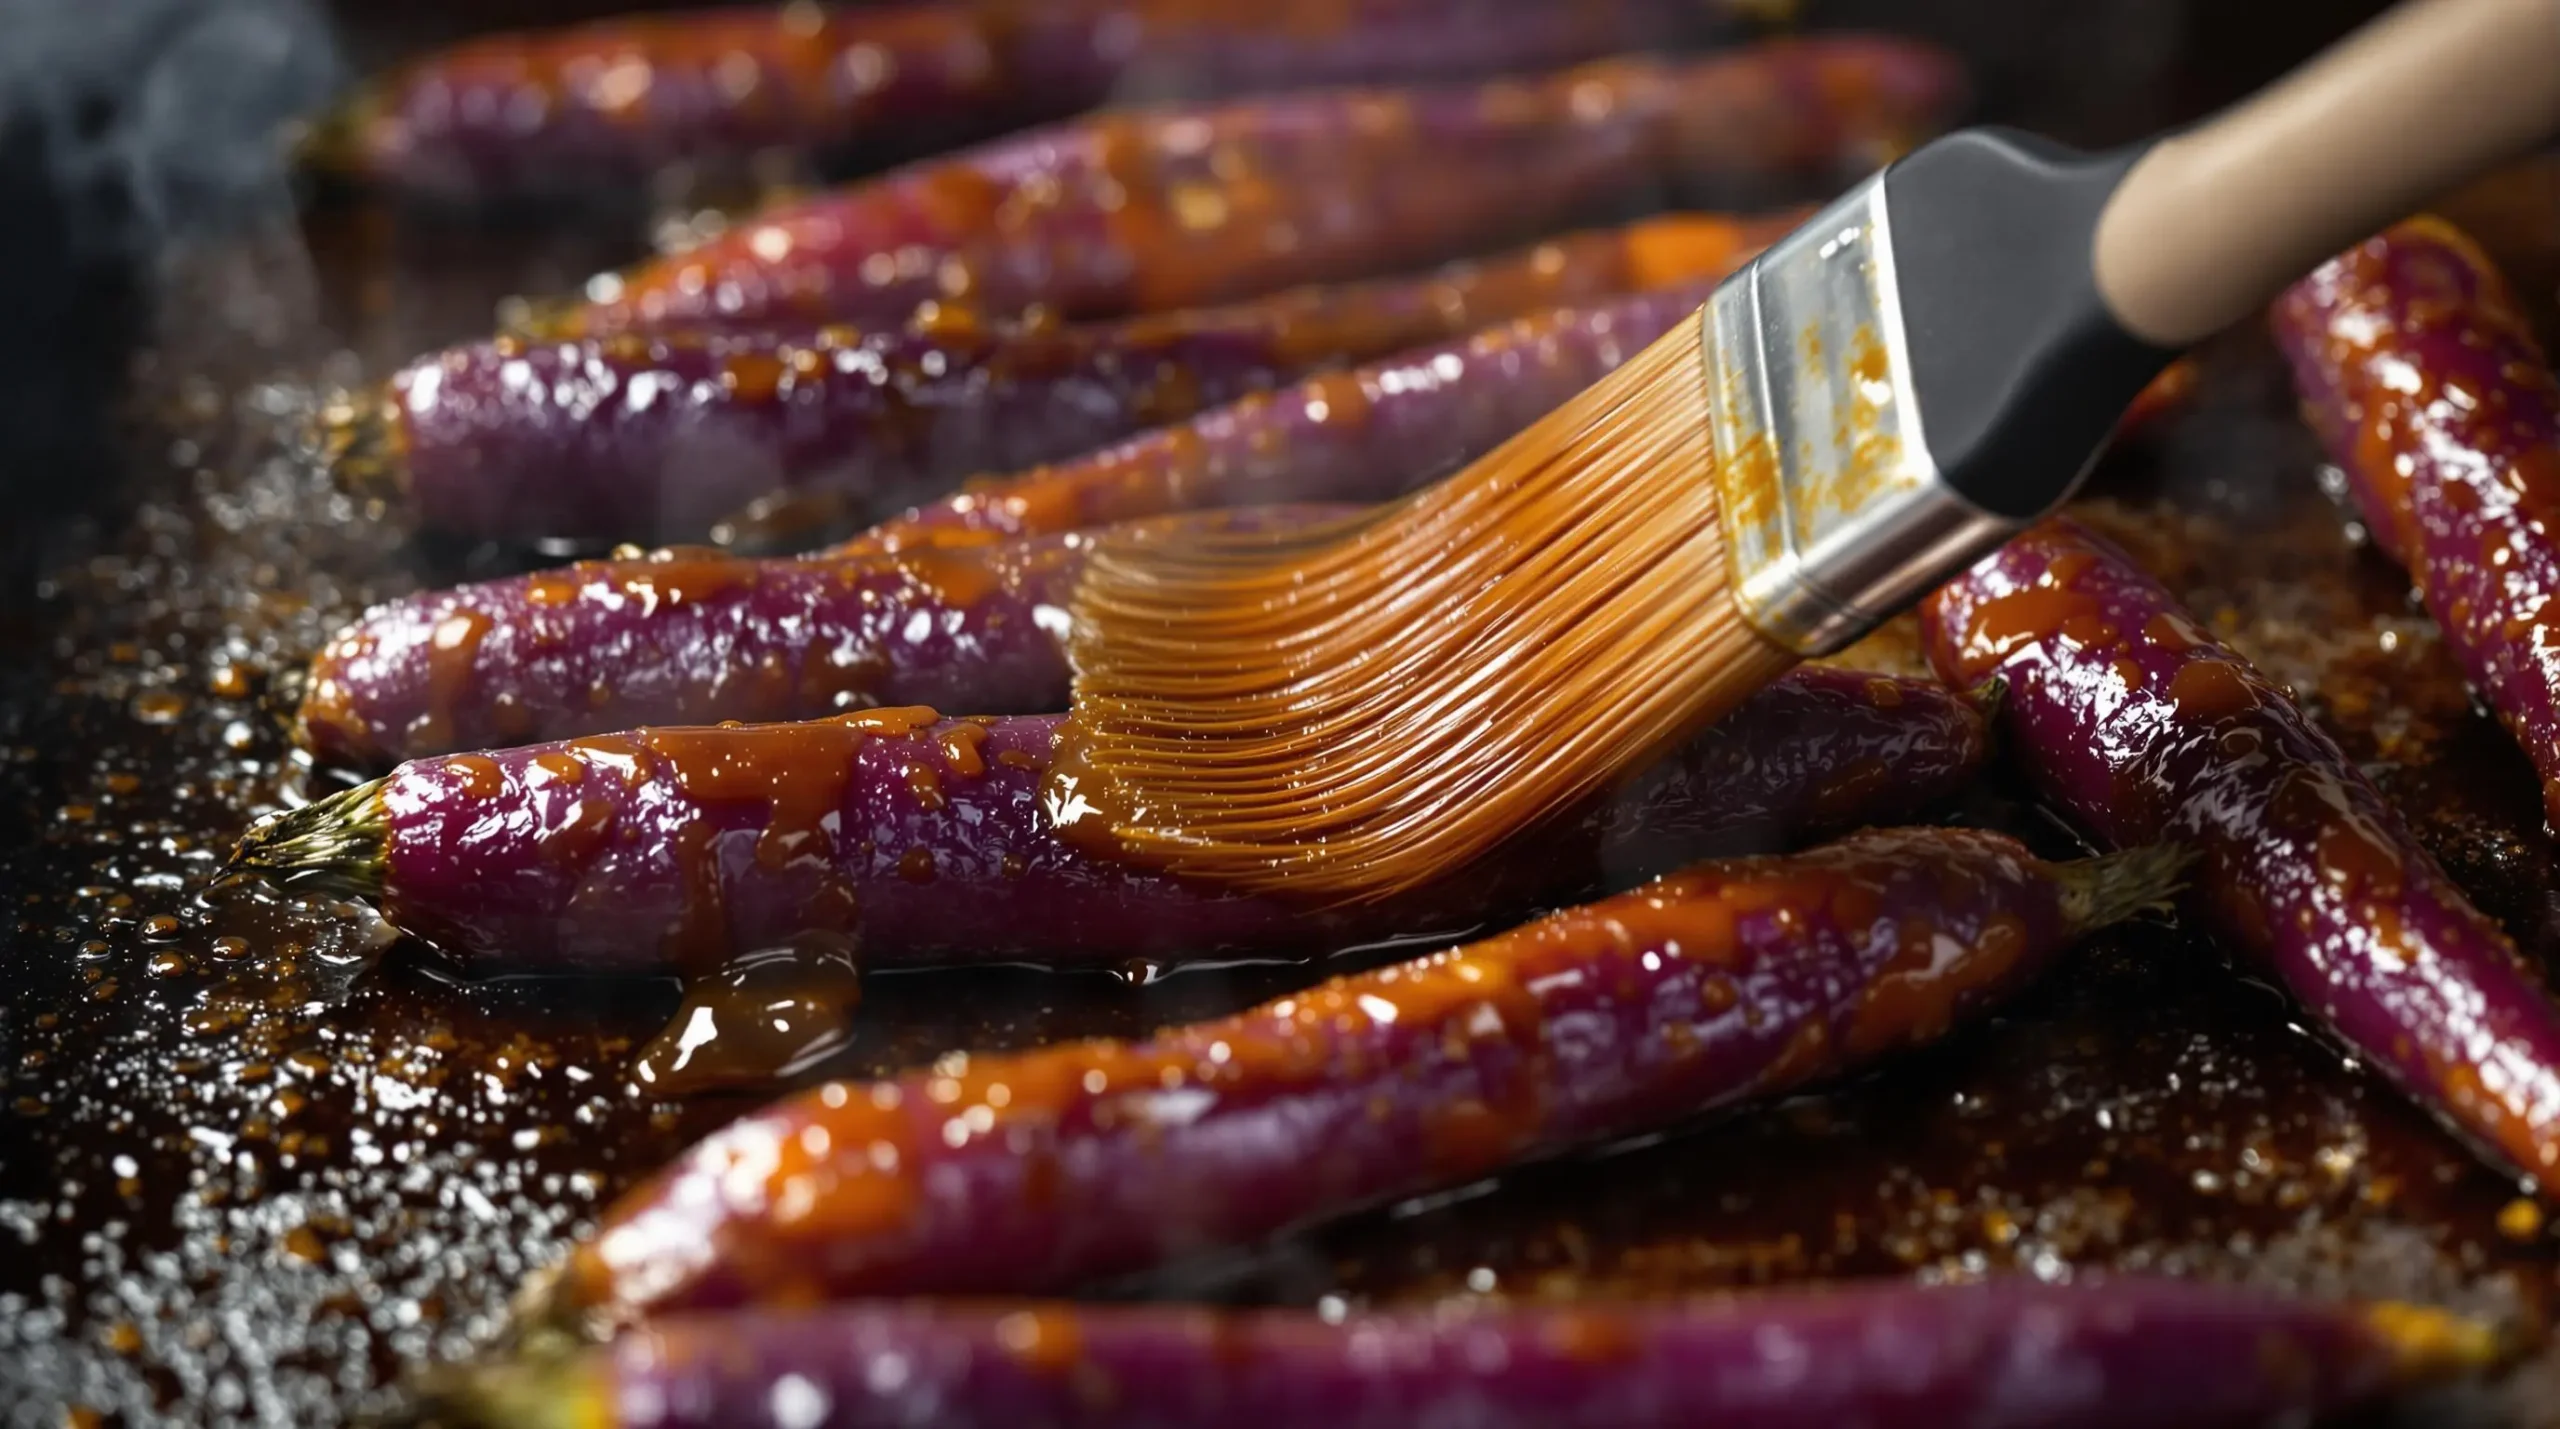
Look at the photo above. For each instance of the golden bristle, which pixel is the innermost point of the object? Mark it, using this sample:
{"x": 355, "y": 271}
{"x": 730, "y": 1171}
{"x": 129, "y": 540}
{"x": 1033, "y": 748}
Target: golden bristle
{"x": 1348, "y": 713}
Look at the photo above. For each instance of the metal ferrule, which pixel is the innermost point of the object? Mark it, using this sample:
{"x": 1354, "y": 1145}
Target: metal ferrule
{"x": 1835, "y": 516}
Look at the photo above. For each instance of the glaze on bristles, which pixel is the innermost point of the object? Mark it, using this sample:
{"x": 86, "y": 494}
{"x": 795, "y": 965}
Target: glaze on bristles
{"x": 1349, "y": 713}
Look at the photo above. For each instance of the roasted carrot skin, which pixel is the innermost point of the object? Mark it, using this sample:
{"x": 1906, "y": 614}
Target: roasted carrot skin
{"x": 1364, "y": 434}
{"x": 2421, "y": 374}
{"x": 927, "y": 840}
{"x": 607, "y": 104}
{"x": 656, "y": 436}
{"x": 1033, "y": 1171}
{"x": 1183, "y": 206}
{"x": 695, "y": 636}
{"x": 2141, "y": 727}
{"x": 2015, "y": 1353}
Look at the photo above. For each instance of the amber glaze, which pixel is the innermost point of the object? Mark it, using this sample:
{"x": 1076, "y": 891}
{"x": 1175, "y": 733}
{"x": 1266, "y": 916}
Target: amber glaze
{"x": 2142, "y": 727}
{"x": 2424, "y": 380}
{"x": 1352, "y": 711}
{"x": 1037, "y": 1169}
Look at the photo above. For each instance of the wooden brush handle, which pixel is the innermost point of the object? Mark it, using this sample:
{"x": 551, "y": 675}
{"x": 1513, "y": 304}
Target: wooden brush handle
{"x": 2213, "y": 222}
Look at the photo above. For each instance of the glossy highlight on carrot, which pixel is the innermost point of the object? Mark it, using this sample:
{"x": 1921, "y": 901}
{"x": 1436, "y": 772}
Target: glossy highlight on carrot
{"x": 2016, "y": 1354}
{"x": 925, "y": 839}
{"x": 2424, "y": 381}
{"x": 1367, "y": 434}
{"x": 2139, "y": 725}
{"x": 1033, "y": 1171}
{"x": 658, "y": 435}
{"x": 1183, "y": 206}
{"x": 608, "y": 104}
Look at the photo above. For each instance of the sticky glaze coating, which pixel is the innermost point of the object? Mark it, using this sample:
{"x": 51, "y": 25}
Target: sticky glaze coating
{"x": 1182, "y": 206}
{"x": 657, "y": 436}
{"x": 2423, "y": 379}
{"x": 605, "y": 105}
{"x": 2141, "y": 727}
{"x": 927, "y": 839}
{"x": 1034, "y": 1171}
{"x": 1365, "y": 434}
{"x": 2007, "y": 1354}
{"x": 695, "y": 637}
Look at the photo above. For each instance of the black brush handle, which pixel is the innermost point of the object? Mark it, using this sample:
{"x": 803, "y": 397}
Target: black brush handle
{"x": 2019, "y": 369}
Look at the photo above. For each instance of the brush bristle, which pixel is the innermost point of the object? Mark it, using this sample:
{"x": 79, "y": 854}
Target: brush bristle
{"x": 1349, "y": 713}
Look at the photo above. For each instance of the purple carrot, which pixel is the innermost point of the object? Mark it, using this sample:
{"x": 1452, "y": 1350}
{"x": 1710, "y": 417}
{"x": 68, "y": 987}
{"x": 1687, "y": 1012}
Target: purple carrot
{"x": 1184, "y": 206}
{"x": 654, "y": 436}
{"x": 2143, "y": 728}
{"x": 607, "y": 104}
{"x": 2422, "y": 377}
{"x": 1034, "y": 1171}
{"x": 928, "y": 841}
{"x": 1366, "y": 434}
{"x": 2006, "y": 1354}
{"x": 696, "y": 637}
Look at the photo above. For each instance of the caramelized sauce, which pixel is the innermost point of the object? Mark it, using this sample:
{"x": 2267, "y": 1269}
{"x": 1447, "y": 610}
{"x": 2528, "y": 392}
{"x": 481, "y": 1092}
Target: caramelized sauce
{"x": 477, "y": 774}
{"x": 2210, "y": 691}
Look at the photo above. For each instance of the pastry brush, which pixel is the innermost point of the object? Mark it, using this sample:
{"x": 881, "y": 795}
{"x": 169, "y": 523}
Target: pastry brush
{"x": 1882, "y": 397}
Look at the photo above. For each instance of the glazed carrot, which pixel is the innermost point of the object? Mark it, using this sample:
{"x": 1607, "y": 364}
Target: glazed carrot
{"x": 2006, "y": 1354}
{"x": 1366, "y": 434}
{"x": 2140, "y": 726}
{"x": 2425, "y": 383}
{"x": 927, "y": 840}
{"x": 1184, "y": 206}
{"x": 652, "y": 437}
{"x": 694, "y": 637}
{"x": 606, "y": 104}
{"x": 1033, "y": 1171}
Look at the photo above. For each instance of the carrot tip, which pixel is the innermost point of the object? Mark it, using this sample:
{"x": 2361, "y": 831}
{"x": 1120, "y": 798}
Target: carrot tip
{"x": 364, "y": 446}
{"x": 2113, "y": 887}
{"x": 339, "y": 140}
{"x": 1988, "y": 697}
{"x": 336, "y": 845}
{"x": 2427, "y": 1343}
{"x": 549, "y": 1321}
{"x": 532, "y": 1393}
{"x": 551, "y": 319}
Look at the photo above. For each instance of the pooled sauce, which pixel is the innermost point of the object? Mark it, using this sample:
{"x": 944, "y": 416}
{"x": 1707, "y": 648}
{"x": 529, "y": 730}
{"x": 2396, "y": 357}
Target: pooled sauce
{"x": 757, "y": 1020}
